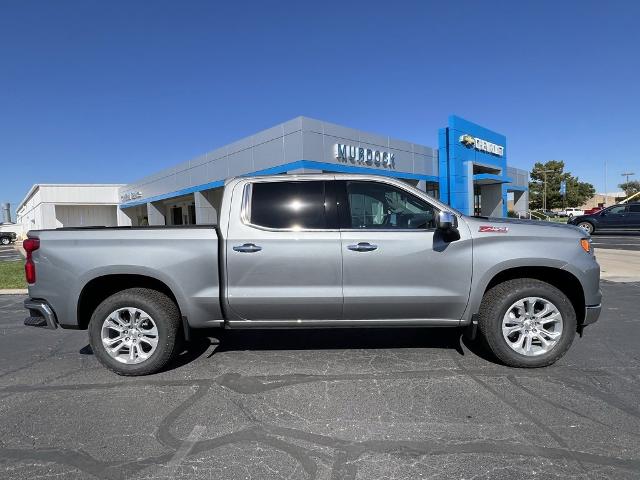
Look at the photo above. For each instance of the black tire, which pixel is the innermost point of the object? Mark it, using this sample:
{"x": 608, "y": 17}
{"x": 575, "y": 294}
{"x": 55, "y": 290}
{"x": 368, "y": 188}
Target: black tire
{"x": 591, "y": 229}
{"x": 494, "y": 306}
{"x": 164, "y": 313}
{"x": 5, "y": 241}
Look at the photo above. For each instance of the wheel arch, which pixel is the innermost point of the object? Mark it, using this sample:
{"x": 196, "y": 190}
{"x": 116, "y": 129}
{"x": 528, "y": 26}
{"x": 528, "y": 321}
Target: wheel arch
{"x": 100, "y": 288}
{"x": 562, "y": 279}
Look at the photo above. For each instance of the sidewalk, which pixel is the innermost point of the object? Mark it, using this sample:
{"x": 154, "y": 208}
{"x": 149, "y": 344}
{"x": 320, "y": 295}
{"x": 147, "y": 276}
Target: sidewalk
{"x": 619, "y": 265}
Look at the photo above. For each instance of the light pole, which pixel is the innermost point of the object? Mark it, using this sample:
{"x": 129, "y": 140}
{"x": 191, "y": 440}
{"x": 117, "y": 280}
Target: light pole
{"x": 627, "y": 174}
{"x": 544, "y": 197}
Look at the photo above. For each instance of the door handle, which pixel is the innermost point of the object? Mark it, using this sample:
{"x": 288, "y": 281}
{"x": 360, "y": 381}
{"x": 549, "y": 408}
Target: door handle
{"x": 363, "y": 247}
{"x": 247, "y": 248}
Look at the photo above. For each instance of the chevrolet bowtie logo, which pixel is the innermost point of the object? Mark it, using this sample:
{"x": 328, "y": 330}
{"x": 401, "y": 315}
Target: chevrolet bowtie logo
{"x": 467, "y": 140}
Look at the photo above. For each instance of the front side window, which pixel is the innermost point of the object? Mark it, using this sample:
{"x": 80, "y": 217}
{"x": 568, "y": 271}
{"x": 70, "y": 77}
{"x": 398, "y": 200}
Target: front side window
{"x": 288, "y": 205}
{"x": 617, "y": 210}
{"x": 375, "y": 205}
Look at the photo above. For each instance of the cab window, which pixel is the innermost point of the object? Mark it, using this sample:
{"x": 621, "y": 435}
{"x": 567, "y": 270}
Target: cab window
{"x": 375, "y": 205}
{"x": 288, "y": 205}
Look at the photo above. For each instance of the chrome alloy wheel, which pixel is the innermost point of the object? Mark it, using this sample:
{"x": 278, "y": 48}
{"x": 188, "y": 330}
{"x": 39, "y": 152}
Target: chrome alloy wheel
{"x": 129, "y": 335}
{"x": 532, "y": 326}
{"x": 586, "y": 226}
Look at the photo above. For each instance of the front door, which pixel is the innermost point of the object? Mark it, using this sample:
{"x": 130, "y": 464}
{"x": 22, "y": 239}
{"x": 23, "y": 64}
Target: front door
{"x": 395, "y": 264}
{"x": 613, "y": 218}
{"x": 283, "y": 263}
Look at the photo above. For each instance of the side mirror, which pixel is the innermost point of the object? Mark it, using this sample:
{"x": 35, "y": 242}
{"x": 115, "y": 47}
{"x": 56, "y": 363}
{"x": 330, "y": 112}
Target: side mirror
{"x": 446, "y": 221}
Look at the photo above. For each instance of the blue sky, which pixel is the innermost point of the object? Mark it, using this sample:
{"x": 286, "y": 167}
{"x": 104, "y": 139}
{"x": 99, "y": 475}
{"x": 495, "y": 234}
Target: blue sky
{"x": 110, "y": 91}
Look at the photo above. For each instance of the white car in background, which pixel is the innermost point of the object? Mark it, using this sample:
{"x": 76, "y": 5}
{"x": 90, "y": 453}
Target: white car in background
{"x": 571, "y": 212}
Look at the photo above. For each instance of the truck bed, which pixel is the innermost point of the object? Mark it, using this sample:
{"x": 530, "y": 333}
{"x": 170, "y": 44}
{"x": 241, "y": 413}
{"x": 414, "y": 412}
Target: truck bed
{"x": 184, "y": 258}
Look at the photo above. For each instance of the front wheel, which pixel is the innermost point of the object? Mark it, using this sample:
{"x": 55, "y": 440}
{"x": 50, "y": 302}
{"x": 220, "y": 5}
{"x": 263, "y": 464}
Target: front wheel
{"x": 527, "y": 322}
{"x": 587, "y": 227}
{"x": 135, "y": 331}
{"x": 5, "y": 241}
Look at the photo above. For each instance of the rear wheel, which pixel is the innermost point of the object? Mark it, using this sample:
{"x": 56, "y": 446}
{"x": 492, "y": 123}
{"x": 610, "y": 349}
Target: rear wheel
{"x": 5, "y": 241}
{"x": 135, "y": 331}
{"x": 527, "y": 322}
{"x": 587, "y": 227}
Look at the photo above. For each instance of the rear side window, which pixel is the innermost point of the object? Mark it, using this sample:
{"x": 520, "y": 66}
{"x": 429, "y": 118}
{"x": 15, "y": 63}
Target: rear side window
{"x": 634, "y": 208}
{"x": 288, "y": 205}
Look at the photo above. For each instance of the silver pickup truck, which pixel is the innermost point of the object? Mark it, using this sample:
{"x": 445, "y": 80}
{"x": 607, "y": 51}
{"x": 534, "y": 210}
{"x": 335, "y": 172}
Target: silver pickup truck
{"x": 306, "y": 251}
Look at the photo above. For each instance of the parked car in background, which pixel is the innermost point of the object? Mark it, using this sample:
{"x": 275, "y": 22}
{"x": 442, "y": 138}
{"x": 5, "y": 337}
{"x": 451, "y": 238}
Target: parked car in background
{"x": 593, "y": 210}
{"x": 619, "y": 218}
{"x": 571, "y": 212}
{"x": 549, "y": 213}
{"x": 7, "y": 237}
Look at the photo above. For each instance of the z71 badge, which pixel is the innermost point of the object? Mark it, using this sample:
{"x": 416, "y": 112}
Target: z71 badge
{"x": 491, "y": 229}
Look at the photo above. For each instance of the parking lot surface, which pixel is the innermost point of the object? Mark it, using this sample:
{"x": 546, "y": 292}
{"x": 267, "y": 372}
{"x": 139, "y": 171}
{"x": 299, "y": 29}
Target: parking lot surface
{"x": 9, "y": 253}
{"x": 353, "y": 404}
{"x": 617, "y": 241}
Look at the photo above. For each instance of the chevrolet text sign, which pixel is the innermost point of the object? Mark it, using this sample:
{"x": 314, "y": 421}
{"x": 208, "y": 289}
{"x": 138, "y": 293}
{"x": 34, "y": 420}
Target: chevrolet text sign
{"x": 482, "y": 145}
{"x": 364, "y": 156}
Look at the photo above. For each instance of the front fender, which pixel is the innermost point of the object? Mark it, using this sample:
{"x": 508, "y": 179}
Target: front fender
{"x": 481, "y": 281}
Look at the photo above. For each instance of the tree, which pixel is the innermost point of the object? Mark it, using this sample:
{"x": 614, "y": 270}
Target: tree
{"x": 630, "y": 187}
{"x": 577, "y": 192}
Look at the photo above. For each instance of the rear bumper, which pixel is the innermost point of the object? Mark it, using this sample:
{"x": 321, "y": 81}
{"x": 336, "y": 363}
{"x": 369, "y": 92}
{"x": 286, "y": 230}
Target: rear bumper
{"x": 40, "y": 314}
{"x": 591, "y": 314}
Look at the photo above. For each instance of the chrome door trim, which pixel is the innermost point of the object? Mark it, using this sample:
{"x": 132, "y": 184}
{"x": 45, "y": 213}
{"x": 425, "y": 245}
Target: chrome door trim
{"x": 405, "y": 322}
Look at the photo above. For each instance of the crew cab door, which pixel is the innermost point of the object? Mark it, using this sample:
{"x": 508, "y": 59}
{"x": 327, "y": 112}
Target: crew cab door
{"x": 396, "y": 265}
{"x": 283, "y": 263}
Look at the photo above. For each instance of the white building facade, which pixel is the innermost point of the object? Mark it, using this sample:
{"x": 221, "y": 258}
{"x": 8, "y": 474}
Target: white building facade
{"x": 69, "y": 205}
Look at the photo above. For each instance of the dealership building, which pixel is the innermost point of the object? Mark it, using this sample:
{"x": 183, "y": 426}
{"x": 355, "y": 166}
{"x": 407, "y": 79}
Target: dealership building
{"x": 468, "y": 170}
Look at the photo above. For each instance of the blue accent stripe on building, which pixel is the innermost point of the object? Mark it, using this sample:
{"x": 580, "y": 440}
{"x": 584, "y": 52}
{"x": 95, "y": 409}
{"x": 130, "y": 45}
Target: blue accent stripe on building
{"x": 332, "y": 167}
{"x": 491, "y": 176}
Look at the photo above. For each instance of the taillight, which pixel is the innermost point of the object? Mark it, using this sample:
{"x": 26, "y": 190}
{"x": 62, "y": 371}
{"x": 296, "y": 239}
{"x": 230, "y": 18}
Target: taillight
{"x": 30, "y": 245}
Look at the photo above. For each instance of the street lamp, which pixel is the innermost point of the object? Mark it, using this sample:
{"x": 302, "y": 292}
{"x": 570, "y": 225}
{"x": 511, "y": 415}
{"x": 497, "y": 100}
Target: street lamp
{"x": 544, "y": 197}
{"x": 627, "y": 174}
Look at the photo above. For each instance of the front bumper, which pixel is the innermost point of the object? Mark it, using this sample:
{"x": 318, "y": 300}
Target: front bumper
{"x": 592, "y": 312}
{"x": 40, "y": 314}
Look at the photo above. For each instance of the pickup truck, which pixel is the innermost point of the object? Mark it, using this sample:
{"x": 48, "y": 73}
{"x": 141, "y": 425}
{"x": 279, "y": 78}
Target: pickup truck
{"x": 316, "y": 251}
{"x": 571, "y": 212}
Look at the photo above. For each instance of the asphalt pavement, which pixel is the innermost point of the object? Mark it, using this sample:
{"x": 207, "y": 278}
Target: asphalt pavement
{"x": 9, "y": 253}
{"x": 617, "y": 241}
{"x": 323, "y": 404}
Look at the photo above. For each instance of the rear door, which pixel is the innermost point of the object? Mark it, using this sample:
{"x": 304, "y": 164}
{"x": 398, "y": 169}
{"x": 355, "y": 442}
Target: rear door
{"x": 395, "y": 264}
{"x": 283, "y": 262}
{"x": 634, "y": 216}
